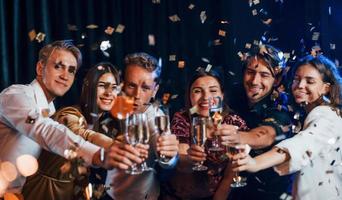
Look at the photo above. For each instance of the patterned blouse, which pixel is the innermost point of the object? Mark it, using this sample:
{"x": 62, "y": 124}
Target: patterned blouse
{"x": 187, "y": 184}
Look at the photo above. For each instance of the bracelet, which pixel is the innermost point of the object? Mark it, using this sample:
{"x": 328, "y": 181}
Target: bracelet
{"x": 102, "y": 154}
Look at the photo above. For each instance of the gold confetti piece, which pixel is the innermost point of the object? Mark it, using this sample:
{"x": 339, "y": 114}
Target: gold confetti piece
{"x": 191, "y": 6}
{"x": 72, "y": 27}
{"x": 172, "y": 57}
{"x": 166, "y": 97}
{"x": 156, "y": 1}
{"x": 254, "y": 12}
{"x": 256, "y": 2}
{"x": 32, "y": 35}
{"x": 174, "y": 18}
{"x": 120, "y": 28}
{"x": 181, "y": 64}
{"x": 248, "y": 45}
{"x": 40, "y": 37}
{"x": 222, "y": 33}
{"x": 203, "y": 16}
{"x": 151, "y": 40}
{"x": 92, "y": 26}
{"x": 223, "y": 22}
{"x": 109, "y": 30}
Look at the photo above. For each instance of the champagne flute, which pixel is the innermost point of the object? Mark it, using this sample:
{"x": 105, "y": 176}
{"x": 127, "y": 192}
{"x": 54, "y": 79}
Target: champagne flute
{"x": 238, "y": 181}
{"x": 199, "y": 136}
{"x": 163, "y": 126}
{"x": 215, "y": 110}
{"x": 134, "y": 136}
{"x": 146, "y": 137}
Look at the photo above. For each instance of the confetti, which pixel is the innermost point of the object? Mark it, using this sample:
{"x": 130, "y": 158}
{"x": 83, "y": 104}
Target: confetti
{"x": 203, "y": 16}
{"x": 156, "y": 1}
{"x": 315, "y": 36}
{"x": 332, "y": 46}
{"x": 40, "y": 37}
{"x": 329, "y": 10}
{"x": 32, "y": 35}
{"x": 256, "y": 2}
{"x": 174, "y": 96}
{"x": 105, "y": 45}
{"x": 119, "y": 28}
{"x": 267, "y": 21}
{"x": 174, "y": 18}
{"x": 181, "y": 64}
{"x": 109, "y": 30}
{"x": 191, "y": 6}
{"x": 205, "y": 60}
{"x": 222, "y": 33}
{"x": 224, "y": 22}
{"x": 254, "y": 12}
{"x": 172, "y": 57}
{"x": 151, "y": 40}
{"x": 193, "y": 110}
{"x": 217, "y": 42}
{"x": 208, "y": 68}
{"x": 92, "y": 26}
{"x": 72, "y": 27}
{"x": 231, "y": 73}
{"x": 248, "y": 45}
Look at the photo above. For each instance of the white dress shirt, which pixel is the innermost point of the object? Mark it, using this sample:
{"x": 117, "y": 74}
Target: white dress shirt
{"x": 316, "y": 154}
{"x": 25, "y": 128}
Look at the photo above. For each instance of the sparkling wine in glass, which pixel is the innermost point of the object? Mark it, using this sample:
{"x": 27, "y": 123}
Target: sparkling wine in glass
{"x": 199, "y": 136}
{"x": 238, "y": 181}
{"x": 134, "y": 136}
{"x": 163, "y": 125}
{"x": 215, "y": 110}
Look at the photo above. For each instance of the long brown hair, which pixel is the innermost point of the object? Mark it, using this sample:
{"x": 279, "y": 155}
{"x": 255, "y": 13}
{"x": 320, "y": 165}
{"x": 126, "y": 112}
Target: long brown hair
{"x": 88, "y": 98}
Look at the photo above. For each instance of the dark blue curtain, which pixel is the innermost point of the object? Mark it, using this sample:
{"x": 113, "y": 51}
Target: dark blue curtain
{"x": 225, "y": 28}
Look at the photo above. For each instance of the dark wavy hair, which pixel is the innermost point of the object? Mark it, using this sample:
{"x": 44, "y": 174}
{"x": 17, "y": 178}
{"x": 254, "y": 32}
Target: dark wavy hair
{"x": 329, "y": 73}
{"x": 273, "y": 57}
{"x": 88, "y": 98}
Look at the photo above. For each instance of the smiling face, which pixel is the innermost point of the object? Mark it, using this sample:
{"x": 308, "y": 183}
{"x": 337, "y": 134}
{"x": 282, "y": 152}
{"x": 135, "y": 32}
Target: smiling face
{"x": 308, "y": 85}
{"x": 202, "y": 90}
{"x": 139, "y": 84}
{"x": 57, "y": 74}
{"x": 106, "y": 92}
{"x": 257, "y": 80}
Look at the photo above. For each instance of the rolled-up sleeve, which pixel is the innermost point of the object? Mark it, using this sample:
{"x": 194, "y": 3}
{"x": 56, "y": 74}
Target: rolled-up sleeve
{"x": 19, "y": 111}
{"x": 317, "y": 135}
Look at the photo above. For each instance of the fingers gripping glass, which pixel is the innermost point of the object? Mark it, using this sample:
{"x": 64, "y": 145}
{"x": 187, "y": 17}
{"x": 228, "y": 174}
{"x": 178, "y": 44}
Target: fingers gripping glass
{"x": 134, "y": 135}
{"x": 199, "y": 136}
{"x": 215, "y": 110}
{"x": 238, "y": 181}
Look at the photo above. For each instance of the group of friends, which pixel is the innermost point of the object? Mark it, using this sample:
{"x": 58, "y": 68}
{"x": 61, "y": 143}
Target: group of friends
{"x": 290, "y": 119}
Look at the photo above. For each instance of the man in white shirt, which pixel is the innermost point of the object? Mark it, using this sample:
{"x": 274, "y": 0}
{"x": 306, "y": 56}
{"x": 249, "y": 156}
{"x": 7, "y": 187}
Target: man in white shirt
{"x": 25, "y": 126}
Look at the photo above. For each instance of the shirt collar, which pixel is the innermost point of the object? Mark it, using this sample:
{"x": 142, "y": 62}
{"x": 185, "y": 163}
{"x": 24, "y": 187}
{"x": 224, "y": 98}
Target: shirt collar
{"x": 41, "y": 99}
